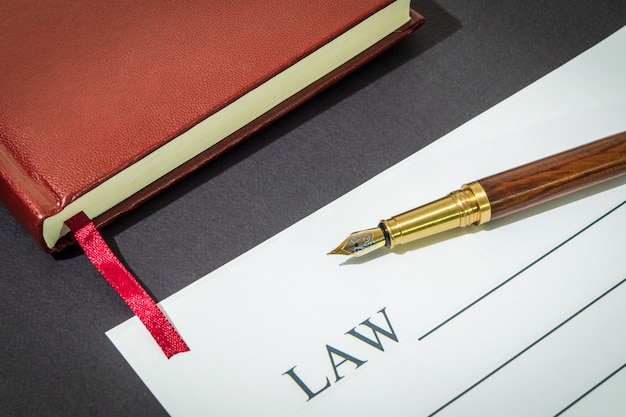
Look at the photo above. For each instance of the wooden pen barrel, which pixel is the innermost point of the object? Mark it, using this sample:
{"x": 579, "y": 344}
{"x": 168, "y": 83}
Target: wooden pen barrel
{"x": 555, "y": 176}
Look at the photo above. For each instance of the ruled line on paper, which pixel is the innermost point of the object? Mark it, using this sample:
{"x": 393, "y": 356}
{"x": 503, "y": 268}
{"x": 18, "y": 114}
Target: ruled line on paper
{"x": 530, "y": 346}
{"x": 590, "y": 390}
{"x": 520, "y": 272}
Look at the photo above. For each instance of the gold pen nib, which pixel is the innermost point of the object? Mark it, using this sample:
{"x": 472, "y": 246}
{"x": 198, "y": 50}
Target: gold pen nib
{"x": 361, "y": 243}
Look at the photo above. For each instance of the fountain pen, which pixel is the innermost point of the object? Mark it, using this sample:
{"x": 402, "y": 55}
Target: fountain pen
{"x": 497, "y": 196}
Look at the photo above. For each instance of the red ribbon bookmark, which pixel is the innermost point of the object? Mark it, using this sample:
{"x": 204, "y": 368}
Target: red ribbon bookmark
{"x": 126, "y": 285}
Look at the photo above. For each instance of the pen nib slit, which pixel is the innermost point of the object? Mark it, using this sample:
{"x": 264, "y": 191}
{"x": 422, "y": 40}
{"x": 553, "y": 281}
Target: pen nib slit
{"x": 360, "y": 243}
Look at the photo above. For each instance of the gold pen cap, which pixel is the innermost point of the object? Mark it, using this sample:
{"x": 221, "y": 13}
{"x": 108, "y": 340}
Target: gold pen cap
{"x": 460, "y": 208}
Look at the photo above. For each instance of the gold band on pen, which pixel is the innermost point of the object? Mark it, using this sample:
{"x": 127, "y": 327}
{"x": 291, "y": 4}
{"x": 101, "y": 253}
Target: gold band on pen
{"x": 460, "y": 208}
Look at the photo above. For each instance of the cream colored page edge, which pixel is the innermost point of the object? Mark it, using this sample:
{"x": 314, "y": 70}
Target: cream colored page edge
{"x": 229, "y": 119}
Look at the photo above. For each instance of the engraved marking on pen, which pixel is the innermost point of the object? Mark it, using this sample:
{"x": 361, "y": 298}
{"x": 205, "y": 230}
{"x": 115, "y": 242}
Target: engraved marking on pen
{"x": 517, "y": 274}
{"x": 338, "y": 357}
{"x": 589, "y": 391}
{"x": 363, "y": 242}
{"x": 527, "y": 348}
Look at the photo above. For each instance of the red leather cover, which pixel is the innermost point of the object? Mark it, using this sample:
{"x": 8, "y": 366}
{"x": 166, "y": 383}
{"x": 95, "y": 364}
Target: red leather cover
{"x": 87, "y": 89}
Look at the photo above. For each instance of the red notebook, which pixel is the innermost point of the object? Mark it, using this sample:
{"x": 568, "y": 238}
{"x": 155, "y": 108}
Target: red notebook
{"x": 105, "y": 103}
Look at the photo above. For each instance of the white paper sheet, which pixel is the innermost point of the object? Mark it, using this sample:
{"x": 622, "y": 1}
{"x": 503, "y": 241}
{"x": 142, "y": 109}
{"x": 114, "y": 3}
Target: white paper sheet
{"x": 523, "y": 316}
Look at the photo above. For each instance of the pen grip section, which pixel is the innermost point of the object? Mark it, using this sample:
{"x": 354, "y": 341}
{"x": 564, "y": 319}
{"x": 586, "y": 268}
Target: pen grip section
{"x": 555, "y": 176}
{"x": 460, "y": 208}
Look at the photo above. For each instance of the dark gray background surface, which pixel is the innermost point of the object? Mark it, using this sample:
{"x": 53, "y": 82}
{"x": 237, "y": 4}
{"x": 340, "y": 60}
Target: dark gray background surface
{"x": 54, "y": 356}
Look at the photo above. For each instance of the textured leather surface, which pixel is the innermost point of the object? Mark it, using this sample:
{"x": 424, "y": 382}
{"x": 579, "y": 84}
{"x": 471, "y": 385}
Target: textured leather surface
{"x": 56, "y": 360}
{"x": 88, "y": 89}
